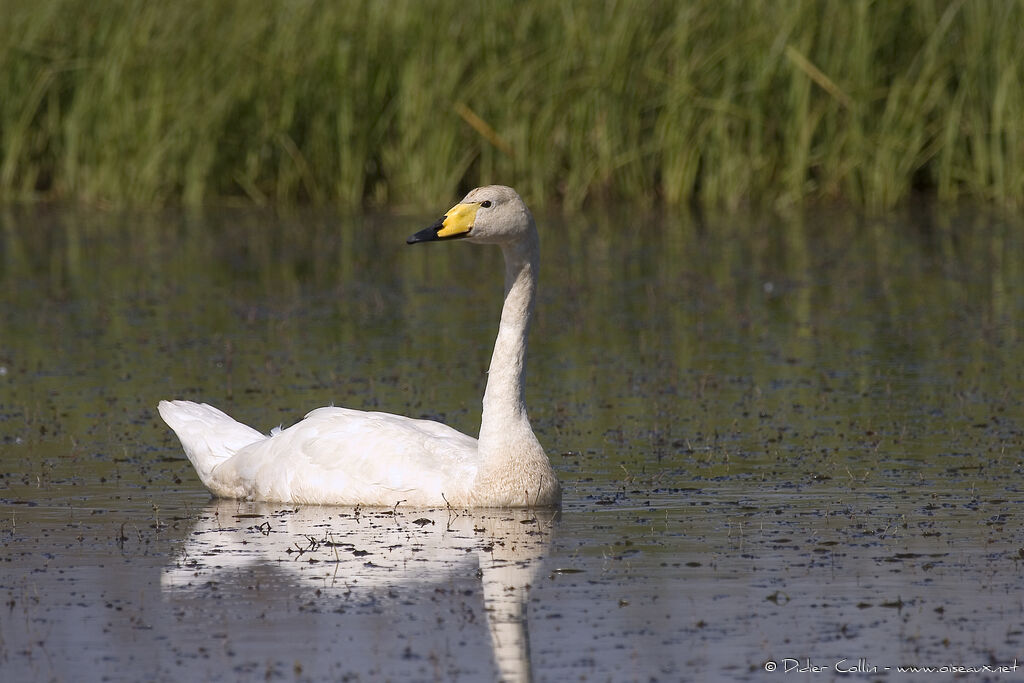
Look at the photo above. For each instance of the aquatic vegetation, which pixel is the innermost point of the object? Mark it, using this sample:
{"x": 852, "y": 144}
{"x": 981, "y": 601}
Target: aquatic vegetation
{"x": 367, "y": 103}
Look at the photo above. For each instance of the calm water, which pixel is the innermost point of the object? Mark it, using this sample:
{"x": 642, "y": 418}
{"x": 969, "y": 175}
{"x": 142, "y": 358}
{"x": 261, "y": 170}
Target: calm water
{"x": 784, "y": 442}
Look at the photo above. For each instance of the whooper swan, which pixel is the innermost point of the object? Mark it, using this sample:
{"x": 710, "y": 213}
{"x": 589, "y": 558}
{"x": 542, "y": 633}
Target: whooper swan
{"x": 349, "y": 457}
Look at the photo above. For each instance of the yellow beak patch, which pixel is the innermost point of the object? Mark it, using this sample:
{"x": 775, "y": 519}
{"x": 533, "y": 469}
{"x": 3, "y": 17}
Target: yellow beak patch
{"x": 458, "y": 220}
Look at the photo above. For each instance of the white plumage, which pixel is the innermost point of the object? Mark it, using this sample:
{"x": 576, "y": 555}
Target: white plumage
{"x": 348, "y": 457}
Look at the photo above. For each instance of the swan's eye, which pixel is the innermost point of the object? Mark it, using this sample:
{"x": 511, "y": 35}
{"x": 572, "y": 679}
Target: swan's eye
{"x": 486, "y": 203}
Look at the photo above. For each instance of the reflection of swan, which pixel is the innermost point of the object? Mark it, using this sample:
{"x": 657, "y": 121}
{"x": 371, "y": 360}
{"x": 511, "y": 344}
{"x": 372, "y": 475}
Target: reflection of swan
{"x": 375, "y": 553}
{"x": 349, "y": 457}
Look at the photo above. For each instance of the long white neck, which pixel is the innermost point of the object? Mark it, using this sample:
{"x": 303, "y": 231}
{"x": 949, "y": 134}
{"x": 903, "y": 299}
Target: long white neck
{"x": 504, "y": 420}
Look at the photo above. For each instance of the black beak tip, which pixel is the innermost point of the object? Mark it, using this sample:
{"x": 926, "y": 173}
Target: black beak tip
{"x": 426, "y": 234}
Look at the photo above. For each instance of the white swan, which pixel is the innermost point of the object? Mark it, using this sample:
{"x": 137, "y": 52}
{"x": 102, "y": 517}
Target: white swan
{"x": 349, "y": 457}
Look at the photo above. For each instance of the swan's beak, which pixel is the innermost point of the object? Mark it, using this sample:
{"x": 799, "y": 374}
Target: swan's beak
{"x": 458, "y": 222}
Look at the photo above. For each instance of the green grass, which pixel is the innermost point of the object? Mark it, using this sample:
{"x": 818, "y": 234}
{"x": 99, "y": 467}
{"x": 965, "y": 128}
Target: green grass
{"x": 408, "y": 103}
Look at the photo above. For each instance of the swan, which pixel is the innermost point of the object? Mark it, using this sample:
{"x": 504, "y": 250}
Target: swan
{"x": 341, "y": 456}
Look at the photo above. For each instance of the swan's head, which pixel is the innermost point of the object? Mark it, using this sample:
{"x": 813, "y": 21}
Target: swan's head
{"x": 493, "y": 214}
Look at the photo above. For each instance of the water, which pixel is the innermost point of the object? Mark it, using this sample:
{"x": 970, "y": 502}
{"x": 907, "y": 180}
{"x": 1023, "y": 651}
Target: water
{"x": 783, "y": 442}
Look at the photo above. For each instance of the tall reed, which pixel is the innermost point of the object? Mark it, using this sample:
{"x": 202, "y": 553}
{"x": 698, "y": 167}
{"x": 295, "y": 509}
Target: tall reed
{"x": 402, "y": 102}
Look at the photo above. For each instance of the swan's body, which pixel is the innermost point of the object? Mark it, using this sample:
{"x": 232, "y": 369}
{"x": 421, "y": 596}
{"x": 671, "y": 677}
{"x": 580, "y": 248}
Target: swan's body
{"x": 348, "y": 457}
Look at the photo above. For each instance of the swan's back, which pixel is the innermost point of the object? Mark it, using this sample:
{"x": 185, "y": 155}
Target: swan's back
{"x": 366, "y": 458}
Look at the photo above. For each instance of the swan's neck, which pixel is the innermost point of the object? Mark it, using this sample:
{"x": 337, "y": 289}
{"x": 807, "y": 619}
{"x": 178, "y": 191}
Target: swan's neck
{"x": 504, "y": 413}
{"x": 514, "y": 470}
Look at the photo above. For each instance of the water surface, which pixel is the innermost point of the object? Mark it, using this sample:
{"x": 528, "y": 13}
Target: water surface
{"x": 781, "y": 440}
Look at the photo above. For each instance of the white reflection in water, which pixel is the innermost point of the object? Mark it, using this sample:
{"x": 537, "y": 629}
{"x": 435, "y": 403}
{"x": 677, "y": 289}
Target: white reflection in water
{"x": 379, "y": 554}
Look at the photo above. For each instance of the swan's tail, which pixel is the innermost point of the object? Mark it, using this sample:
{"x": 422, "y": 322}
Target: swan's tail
{"x": 209, "y": 436}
